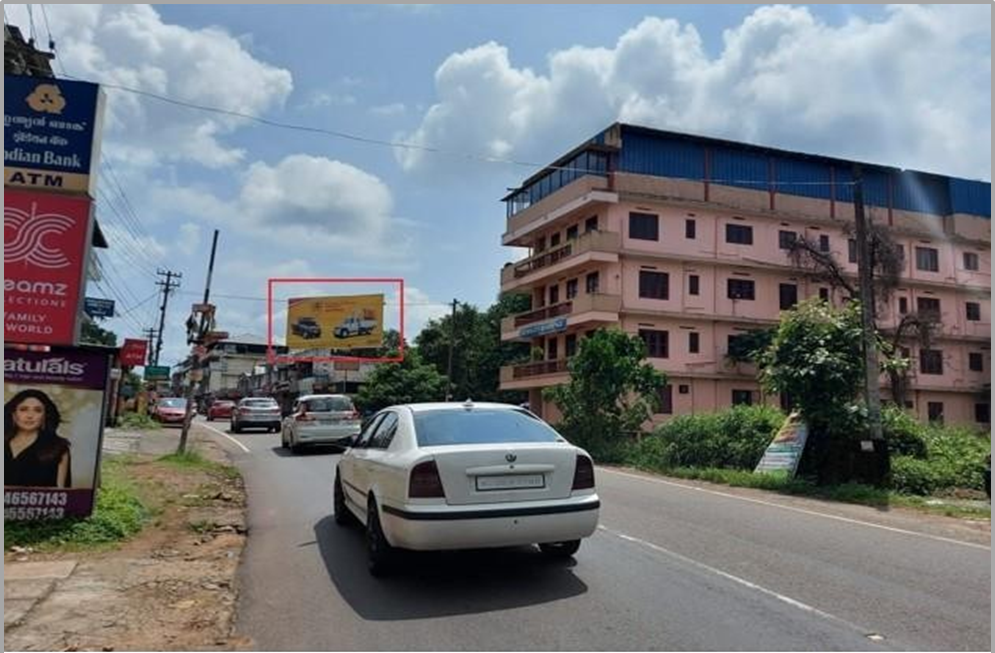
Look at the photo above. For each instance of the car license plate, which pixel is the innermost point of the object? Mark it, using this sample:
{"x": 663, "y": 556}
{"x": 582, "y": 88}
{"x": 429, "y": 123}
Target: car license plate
{"x": 511, "y": 482}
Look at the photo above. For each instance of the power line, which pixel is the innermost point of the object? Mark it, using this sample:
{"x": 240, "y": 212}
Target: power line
{"x": 48, "y": 29}
{"x": 31, "y": 21}
{"x": 264, "y": 299}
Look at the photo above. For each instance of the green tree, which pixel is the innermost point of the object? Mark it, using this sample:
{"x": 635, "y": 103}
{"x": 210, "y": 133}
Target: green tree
{"x": 411, "y": 381}
{"x": 612, "y": 391}
{"x": 93, "y": 334}
{"x": 478, "y": 352}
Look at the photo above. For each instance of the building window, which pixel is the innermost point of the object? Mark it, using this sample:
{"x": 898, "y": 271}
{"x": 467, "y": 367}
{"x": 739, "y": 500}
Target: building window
{"x": 742, "y": 397}
{"x": 552, "y": 349}
{"x": 644, "y": 226}
{"x": 571, "y": 288}
{"x": 788, "y": 293}
{"x": 787, "y": 239}
{"x": 742, "y": 289}
{"x": 654, "y": 285}
{"x": 983, "y": 413}
{"x": 851, "y": 248}
{"x": 592, "y": 283}
{"x": 824, "y": 243}
{"x": 554, "y": 240}
{"x": 591, "y": 224}
{"x": 554, "y": 295}
{"x": 684, "y": 389}
{"x": 971, "y": 261}
{"x": 824, "y": 294}
{"x": 666, "y": 395}
{"x": 928, "y": 307}
{"x": 934, "y": 411}
{"x": 571, "y": 344}
{"x": 973, "y": 312}
{"x": 927, "y": 259}
{"x": 694, "y": 284}
{"x": 694, "y": 342}
{"x": 931, "y": 361}
{"x": 573, "y": 232}
{"x": 739, "y": 234}
{"x": 976, "y": 361}
{"x": 541, "y": 244}
{"x": 657, "y": 342}
{"x": 690, "y": 229}
{"x": 903, "y": 305}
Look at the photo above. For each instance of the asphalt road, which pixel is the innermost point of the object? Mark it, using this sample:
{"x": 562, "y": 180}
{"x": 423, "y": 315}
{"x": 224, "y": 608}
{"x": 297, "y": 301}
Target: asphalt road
{"x": 672, "y": 568}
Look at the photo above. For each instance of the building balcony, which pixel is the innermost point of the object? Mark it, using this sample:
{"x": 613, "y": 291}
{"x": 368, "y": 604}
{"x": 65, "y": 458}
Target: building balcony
{"x": 534, "y": 375}
{"x": 594, "y": 246}
{"x": 583, "y": 309}
{"x": 579, "y": 195}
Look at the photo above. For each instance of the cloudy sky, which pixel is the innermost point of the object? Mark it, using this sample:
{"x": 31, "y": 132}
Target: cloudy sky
{"x": 908, "y": 86}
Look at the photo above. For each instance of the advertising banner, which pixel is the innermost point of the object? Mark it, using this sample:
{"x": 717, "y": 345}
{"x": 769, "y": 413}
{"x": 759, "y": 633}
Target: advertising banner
{"x": 345, "y": 322}
{"x": 53, "y": 427}
{"x": 133, "y": 352}
{"x": 160, "y": 373}
{"x": 785, "y": 453}
{"x": 98, "y": 308}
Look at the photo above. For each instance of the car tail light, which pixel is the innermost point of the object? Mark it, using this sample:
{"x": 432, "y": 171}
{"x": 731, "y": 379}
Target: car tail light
{"x": 425, "y": 482}
{"x": 305, "y": 417}
{"x": 584, "y": 474}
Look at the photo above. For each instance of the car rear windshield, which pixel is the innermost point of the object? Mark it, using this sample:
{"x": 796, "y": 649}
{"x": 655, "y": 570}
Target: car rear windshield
{"x": 329, "y": 405}
{"x": 438, "y": 428}
{"x": 260, "y": 403}
{"x": 173, "y": 403}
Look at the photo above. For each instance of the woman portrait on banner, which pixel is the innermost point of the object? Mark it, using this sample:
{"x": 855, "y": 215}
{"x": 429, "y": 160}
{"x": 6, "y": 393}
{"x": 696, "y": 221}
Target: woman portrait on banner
{"x": 35, "y": 454}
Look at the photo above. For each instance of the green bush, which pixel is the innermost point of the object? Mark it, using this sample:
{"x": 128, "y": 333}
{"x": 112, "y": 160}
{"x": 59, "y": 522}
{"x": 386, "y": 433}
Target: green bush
{"x": 137, "y": 422}
{"x": 905, "y": 435}
{"x": 734, "y": 439}
{"x": 913, "y": 476}
{"x": 954, "y": 459}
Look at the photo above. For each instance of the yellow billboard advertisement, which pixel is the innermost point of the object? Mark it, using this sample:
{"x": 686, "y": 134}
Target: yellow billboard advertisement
{"x": 345, "y": 322}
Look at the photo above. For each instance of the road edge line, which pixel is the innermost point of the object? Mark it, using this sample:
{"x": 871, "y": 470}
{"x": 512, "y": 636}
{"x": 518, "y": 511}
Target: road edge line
{"x": 225, "y": 435}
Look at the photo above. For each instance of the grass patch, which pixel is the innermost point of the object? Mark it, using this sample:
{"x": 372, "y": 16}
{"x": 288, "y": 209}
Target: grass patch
{"x": 193, "y": 460}
{"x": 137, "y": 422}
{"x": 118, "y": 515}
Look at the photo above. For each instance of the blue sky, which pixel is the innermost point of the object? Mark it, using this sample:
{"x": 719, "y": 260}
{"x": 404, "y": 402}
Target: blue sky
{"x": 907, "y": 86}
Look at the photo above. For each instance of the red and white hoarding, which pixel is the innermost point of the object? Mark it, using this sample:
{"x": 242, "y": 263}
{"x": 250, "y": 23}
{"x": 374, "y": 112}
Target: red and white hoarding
{"x": 133, "y": 352}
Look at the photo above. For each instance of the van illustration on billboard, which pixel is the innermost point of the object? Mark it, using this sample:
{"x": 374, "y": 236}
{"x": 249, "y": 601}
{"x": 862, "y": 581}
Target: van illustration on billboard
{"x": 307, "y": 328}
{"x": 358, "y": 324}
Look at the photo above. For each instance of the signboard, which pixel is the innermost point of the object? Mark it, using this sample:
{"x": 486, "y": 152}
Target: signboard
{"x": 46, "y": 241}
{"x": 554, "y": 326}
{"x": 98, "y": 308}
{"x": 785, "y": 453}
{"x": 53, "y": 425}
{"x": 156, "y": 373}
{"x": 347, "y": 322}
{"x": 133, "y": 352}
{"x": 51, "y": 133}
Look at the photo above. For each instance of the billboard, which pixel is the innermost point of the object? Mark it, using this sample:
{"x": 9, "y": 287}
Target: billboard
{"x": 98, "y": 308}
{"x": 53, "y": 427}
{"x": 46, "y": 240}
{"x": 344, "y": 322}
{"x": 133, "y": 352}
{"x": 785, "y": 452}
{"x": 51, "y": 133}
{"x": 157, "y": 373}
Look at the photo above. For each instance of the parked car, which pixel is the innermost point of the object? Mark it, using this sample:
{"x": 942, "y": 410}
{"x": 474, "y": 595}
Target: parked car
{"x": 321, "y": 420}
{"x": 355, "y": 326}
{"x": 220, "y": 410}
{"x": 307, "y": 328}
{"x": 256, "y": 413}
{"x": 465, "y": 476}
{"x": 170, "y": 410}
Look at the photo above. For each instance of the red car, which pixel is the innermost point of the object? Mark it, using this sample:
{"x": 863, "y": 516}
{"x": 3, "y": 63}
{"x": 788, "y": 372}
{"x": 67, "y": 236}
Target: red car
{"x": 170, "y": 411}
{"x": 220, "y": 410}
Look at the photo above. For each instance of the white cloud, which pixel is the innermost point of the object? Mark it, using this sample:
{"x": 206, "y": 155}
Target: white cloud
{"x": 189, "y": 238}
{"x": 912, "y": 89}
{"x": 324, "y": 99}
{"x": 130, "y": 45}
{"x": 418, "y": 310}
{"x": 389, "y": 110}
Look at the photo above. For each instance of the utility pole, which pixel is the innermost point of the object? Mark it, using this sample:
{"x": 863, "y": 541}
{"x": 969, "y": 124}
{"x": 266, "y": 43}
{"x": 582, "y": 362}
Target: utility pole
{"x": 168, "y": 286}
{"x": 452, "y": 344}
{"x": 195, "y": 364}
{"x": 872, "y": 371}
{"x": 150, "y": 338}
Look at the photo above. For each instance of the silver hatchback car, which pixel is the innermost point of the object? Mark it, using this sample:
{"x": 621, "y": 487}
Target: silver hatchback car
{"x": 321, "y": 420}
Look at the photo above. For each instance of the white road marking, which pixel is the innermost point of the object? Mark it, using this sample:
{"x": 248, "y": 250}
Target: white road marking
{"x": 811, "y": 513}
{"x": 223, "y": 434}
{"x": 739, "y": 581}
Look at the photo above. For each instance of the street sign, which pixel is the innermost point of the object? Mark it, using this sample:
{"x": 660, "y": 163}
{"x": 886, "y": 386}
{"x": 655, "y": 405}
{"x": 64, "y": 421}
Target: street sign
{"x": 133, "y": 352}
{"x": 156, "y": 373}
{"x": 555, "y": 326}
{"x": 98, "y": 308}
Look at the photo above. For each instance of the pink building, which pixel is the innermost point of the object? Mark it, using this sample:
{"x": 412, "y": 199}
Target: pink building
{"x": 683, "y": 240}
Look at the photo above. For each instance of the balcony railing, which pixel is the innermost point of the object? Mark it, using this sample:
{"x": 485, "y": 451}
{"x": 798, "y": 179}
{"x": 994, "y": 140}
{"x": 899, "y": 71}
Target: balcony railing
{"x": 593, "y": 241}
{"x": 598, "y": 302}
{"x": 541, "y": 368}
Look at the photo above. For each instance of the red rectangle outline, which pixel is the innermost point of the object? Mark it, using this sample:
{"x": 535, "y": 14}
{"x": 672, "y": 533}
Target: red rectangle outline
{"x": 271, "y": 356}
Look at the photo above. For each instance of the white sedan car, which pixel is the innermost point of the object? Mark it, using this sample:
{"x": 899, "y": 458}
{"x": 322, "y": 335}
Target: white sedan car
{"x": 465, "y": 476}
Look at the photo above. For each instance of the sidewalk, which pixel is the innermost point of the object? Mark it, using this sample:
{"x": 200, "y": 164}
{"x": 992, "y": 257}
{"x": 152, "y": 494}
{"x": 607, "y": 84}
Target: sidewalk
{"x": 171, "y": 587}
